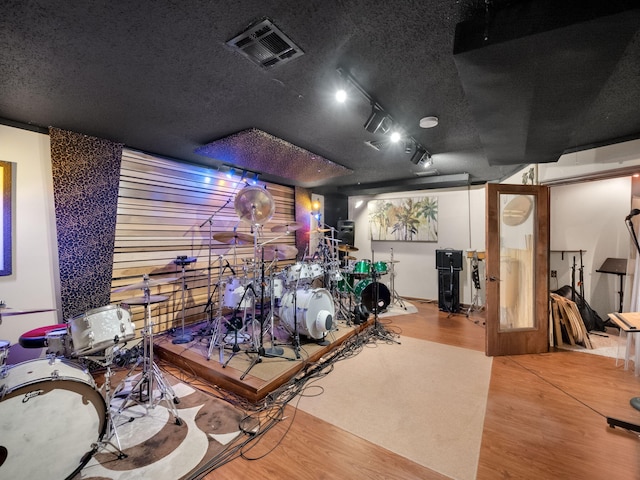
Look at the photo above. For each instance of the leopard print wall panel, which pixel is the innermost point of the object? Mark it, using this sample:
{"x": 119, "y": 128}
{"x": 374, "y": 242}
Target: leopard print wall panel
{"x": 86, "y": 174}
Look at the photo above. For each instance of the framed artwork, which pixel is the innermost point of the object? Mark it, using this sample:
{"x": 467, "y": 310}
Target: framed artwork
{"x": 5, "y": 209}
{"x": 410, "y": 219}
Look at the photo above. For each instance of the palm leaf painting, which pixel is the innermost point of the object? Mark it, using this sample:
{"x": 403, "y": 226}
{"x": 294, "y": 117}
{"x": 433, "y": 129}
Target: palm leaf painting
{"x": 412, "y": 219}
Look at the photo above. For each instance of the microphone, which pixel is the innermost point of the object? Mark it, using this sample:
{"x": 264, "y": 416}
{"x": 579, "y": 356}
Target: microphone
{"x": 633, "y": 213}
{"x": 233, "y": 272}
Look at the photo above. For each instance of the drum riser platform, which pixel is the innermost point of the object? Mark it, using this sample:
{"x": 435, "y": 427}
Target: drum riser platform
{"x": 192, "y": 358}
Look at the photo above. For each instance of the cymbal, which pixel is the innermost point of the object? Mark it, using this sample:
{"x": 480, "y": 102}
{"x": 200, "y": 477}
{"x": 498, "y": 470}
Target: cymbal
{"x": 347, "y": 248}
{"x": 143, "y": 300}
{"x": 233, "y": 238}
{"x": 281, "y": 252}
{"x": 323, "y": 230}
{"x": 289, "y": 227}
{"x": 349, "y": 257}
{"x": 254, "y": 205}
{"x": 145, "y": 284}
{"x": 10, "y": 311}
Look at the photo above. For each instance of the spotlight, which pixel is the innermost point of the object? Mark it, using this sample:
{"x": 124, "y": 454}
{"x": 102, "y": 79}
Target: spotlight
{"x": 231, "y": 173}
{"x": 418, "y": 154}
{"x": 378, "y": 122}
{"x": 341, "y": 96}
{"x": 395, "y": 136}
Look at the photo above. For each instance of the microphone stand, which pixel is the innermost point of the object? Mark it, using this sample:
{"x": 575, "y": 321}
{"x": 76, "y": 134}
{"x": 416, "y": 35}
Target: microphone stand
{"x": 378, "y": 330}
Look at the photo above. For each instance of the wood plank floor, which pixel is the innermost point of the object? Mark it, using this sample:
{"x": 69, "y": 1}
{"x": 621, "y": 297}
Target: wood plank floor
{"x": 545, "y": 419}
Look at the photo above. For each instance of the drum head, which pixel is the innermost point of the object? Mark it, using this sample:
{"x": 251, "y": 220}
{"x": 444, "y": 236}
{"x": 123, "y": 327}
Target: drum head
{"x": 376, "y": 297}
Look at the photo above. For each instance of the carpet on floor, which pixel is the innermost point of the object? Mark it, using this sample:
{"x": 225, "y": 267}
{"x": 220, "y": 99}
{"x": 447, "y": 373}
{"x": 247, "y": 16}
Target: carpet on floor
{"x": 433, "y": 416}
{"x": 156, "y": 447}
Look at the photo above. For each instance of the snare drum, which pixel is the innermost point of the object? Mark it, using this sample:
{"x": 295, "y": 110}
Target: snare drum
{"x": 51, "y": 416}
{"x": 100, "y": 328}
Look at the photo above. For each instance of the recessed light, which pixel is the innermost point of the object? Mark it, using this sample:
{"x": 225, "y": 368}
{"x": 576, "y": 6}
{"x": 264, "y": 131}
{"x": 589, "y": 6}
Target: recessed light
{"x": 428, "y": 122}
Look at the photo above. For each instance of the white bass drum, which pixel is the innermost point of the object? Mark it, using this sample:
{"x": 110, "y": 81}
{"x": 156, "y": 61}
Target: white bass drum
{"x": 315, "y": 311}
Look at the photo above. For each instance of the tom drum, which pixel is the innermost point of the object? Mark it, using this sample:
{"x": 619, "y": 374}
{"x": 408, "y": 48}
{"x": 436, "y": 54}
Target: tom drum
{"x": 100, "y": 328}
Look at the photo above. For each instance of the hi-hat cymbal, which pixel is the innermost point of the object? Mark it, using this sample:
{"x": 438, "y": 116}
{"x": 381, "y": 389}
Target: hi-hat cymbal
{"x": 184, "y": 260}
{"x": 145, "y": 284}
{"x": 144, "y": 300}
{"x": 347, "y": 248}
{"x": 281, "y": 252}
{"x": 349, "y": 257}
{"x": 254, "y": 205}
{"x": 233, "y": 238}
{"x": 289, "y": 227}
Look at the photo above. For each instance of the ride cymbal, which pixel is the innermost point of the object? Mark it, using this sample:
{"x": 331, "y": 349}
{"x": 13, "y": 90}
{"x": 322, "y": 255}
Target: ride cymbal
{"x": 289, "y": 227}
{"x": 233, "y": 238}
{"x": 254, "y": 205}
{"x": 280, "y": 252}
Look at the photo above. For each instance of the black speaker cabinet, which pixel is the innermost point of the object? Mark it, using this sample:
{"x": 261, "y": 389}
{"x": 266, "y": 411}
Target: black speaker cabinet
{"x": 346, "y": 232}
{"x": 448, "y": 258}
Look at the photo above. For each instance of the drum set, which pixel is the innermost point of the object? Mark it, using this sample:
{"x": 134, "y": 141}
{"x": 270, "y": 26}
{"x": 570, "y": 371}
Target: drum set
{"x": 55, "y": 401}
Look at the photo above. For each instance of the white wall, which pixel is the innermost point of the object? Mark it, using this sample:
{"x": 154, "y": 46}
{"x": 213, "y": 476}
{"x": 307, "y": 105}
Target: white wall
{"x": 590, "y": 216}
{"x": 461, "y": 226}
{"x": 33, "y": 283}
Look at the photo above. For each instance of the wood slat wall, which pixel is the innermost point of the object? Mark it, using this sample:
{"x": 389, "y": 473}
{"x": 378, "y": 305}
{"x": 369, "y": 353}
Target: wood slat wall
{"x": 162, "y": 206}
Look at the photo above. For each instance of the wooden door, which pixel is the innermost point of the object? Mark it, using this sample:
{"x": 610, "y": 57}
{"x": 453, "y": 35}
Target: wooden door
{"x": 517, "y": 268}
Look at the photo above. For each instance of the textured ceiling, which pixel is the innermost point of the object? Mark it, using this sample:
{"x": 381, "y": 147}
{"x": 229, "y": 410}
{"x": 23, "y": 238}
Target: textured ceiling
{"x": 159, "y": 77}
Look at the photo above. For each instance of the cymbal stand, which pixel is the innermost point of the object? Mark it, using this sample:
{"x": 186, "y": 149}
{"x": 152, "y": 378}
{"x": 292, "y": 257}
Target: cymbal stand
{"x": 378, "y": 330}
{"x": 395, "y": 298}
{"x": 210, "y": 222}
{"x": 151, "y": 374}
{"x": 216, "y": 324}
{"x": 110, "y": 429}
{"x": 183, "y": 262}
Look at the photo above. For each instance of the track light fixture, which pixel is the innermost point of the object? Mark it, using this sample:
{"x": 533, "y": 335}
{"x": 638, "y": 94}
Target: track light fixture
{"x": 380, "y": 122}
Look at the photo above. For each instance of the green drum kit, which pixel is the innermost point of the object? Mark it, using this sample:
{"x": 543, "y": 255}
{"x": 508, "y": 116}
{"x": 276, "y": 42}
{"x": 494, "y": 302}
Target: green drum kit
{"x": 360, "y": 282}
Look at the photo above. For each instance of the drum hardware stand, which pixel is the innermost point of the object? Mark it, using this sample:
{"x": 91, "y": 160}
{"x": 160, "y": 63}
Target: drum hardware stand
{"x": 378, "y": 330}
{"x": 110, "y": 430}
{"x": 395, "y": 298}
{"x": 475, "y": 277}
{"x": 183, "y": 261}
{"x": 216, "y": 324}
{"x": 237, "y": 324}
{"x": 150, "y": 372}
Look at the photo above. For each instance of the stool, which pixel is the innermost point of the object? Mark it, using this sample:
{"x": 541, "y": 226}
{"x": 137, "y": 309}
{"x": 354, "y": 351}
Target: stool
{"x": 37, "y": 337}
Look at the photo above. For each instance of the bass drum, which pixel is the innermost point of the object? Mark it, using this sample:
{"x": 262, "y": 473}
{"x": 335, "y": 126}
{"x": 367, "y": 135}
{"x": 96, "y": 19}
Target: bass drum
{"x": 51, "y": 416}
{"x": 315, "y": 311}
{"x": 366, "y": 291}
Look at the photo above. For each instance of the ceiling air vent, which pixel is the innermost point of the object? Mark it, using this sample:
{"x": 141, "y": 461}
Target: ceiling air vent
{"x": 266, "y": 45}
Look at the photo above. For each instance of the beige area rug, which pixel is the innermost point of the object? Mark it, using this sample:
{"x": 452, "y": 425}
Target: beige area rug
{"x": 422, "y": 400}
{"x": 158, "y": 448}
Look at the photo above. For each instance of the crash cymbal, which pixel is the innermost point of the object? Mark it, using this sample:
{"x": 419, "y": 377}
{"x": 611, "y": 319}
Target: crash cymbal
{"x": 10, "y": 311}
{"x": 323, "y": 230}
{"x": 143, "y": 300}
{"x": 347, "y": 248}
{"x": 233, "y": 238}
{"x": 254, "y": 205}
{"x": 147, "y": 283}
{"x": 281, "y": 252}
{"x": 289, "y": 227}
